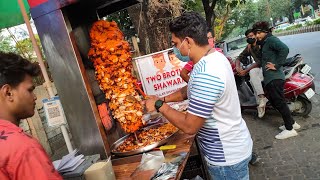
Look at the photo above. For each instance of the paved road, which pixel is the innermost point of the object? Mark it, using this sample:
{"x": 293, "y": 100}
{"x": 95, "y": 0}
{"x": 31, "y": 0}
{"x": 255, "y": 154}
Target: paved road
{"x": 308, "y": 45}
{"x": 296, "y": 158}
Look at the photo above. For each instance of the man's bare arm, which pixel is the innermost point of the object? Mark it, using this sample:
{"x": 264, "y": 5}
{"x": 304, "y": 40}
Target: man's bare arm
{"x": 188, "y": 123}
{"x": 184, "y": 74}
{"x": 177, "y": 96}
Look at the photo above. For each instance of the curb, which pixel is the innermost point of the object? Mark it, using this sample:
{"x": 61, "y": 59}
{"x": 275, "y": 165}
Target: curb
{"x": 307, "y": 29}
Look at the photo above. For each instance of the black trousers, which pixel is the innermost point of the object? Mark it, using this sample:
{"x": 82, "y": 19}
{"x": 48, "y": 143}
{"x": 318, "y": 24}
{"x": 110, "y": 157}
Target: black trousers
{"x": 275, "y": 91}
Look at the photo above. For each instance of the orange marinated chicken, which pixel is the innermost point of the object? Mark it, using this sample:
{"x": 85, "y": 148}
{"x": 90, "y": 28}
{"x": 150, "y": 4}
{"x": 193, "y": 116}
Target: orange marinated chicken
{"x": 147, "y": 137}
{"x": 111, "y": 57}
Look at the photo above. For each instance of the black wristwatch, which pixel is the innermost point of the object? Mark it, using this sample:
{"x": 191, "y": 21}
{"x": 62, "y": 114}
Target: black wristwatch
{"x": 158, "y": 104}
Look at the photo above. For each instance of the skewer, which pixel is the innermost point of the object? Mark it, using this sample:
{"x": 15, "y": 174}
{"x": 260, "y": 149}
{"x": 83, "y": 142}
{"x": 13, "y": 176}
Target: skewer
{"x": 135, "y": 135}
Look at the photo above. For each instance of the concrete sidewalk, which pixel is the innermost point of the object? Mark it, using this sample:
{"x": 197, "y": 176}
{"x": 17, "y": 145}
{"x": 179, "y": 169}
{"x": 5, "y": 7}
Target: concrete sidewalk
{"x": 295, "y": 158}
{"x": 300, "y": 30}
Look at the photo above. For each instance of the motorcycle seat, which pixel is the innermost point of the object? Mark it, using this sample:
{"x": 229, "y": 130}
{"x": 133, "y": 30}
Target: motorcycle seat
{"x": 292, "y": 61}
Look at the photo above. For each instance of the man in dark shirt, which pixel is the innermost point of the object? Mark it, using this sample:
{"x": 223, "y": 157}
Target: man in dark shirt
{"x": 254, "y": 70}
{"x": 21, "y": 157}
{"x": 274, "y": 54}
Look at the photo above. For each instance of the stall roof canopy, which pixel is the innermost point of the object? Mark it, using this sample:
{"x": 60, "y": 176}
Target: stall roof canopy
{"x": 10, "y": 14}
{"x": 104, "y": 3}
{"x": 105, "y": 7}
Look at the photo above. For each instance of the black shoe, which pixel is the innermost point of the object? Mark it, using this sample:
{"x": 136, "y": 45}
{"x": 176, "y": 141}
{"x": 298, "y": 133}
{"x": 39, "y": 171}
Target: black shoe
{"x": 254, "y": 159}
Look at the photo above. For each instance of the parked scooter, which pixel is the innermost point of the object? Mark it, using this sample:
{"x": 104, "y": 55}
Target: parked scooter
{"x": 298, "y": 89}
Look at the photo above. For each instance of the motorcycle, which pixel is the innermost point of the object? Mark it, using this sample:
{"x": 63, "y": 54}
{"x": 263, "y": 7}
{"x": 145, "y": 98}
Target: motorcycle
{"x": 299, "y": 86}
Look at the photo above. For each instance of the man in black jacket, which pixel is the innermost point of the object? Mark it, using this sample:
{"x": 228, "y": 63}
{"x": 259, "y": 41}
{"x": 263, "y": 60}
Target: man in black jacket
{"x": 274, "y": 54}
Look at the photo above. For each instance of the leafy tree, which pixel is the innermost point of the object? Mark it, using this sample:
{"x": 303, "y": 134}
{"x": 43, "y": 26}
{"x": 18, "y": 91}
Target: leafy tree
{"x": 247, "y": 14}
{"x": 122, "y": 18}
{"x": 264, "y": 10}
{"x": 240, "y": 17}
{"x": 283, "y": 9}
{"x": 224, "y": 11}
{"x": 193, "y": 5}
{"x": 231, "y": 26}
{"x": 26, "y": 49}
{"x": 210, "y": 5}
{"x": 275, "y": 10}
{"x": 6, "y": 44}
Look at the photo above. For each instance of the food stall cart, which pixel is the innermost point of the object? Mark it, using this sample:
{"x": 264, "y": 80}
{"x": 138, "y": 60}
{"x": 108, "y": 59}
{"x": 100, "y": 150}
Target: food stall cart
{"x": 63, "y": 27}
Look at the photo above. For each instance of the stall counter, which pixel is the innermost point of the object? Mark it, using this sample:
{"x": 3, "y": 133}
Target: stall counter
{"x": 124, "y": 167}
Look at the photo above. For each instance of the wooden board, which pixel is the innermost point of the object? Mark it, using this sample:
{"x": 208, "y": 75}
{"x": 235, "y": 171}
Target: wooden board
{"x": 124, "y": 167}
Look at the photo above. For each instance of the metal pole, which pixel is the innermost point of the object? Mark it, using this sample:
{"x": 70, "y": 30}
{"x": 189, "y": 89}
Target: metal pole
{"x": 47, "y": 83}
{"x": 36, "y": 49}
{"x": 66, "y": 138}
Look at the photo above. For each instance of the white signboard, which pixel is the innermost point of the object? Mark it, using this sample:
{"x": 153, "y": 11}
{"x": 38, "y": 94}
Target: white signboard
{"x": 53, "y": 111}
{"x": 160, "y": 73}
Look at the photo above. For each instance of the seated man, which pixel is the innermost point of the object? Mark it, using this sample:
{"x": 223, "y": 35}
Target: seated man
{"x": 254, "y": 70}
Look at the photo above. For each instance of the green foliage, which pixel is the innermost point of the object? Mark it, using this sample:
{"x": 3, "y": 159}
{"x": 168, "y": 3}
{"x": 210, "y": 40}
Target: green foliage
{"x": 6, "y": 45}
{"x": 281, "y": 9}
{"x": 25, "y": 48}
{"x": 309, "y": 23}
{"x": 123, "y": 20}
{"x": 317, "y": 21}
{"x": 275, "y": 10}
{"x": 224, "y": 19}
{"x": 241, "y": 19}
{"x": 279, "y": 30}
{"x": 252, "y": 11}
{"x": 193, "y": 5}
{"x": 213, "y": 7}
{"x": 294, "y": 27}
{"x": 248, "y": 14}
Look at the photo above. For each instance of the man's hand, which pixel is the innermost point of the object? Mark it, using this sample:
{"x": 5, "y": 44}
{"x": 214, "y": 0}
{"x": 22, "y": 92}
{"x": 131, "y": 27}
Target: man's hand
{"x": 270, "y": 66}
{"x": 149, "y": 103}
{"x": 239, "y": 69}
{"x": 242, "y": 73}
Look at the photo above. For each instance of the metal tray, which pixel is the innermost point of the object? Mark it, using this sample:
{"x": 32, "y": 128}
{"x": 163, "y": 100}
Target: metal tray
{"x": 140, "y": 150}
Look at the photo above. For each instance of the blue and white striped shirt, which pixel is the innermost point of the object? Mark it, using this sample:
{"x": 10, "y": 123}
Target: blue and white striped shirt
{"x": 224, "y": 138}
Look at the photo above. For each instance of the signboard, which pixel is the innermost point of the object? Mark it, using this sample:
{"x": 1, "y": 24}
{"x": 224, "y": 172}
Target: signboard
{"x": 160, "y": 73}
{"x": 53, "y": 111}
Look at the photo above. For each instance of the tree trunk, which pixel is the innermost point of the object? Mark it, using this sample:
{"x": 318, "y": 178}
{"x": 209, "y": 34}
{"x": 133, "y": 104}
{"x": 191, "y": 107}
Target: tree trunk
{"x": 137, "y": 16}
{"x": 209, "y": 12}
{"x": 151, "y": 20}
{"x": 224, "y": 21}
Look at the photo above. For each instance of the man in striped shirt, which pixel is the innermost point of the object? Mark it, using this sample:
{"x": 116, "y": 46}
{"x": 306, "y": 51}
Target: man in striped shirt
{"x": 189, "y": 66}
{"x": 214, "y": 110}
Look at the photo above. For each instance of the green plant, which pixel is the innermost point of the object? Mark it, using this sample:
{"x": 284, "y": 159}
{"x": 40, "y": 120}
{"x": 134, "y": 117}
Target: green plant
{"x": 309, "y": 23}
{"x": 294, "y": 27}
{"x": 278, "y": 30}
{"x": 317, "y": 21}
